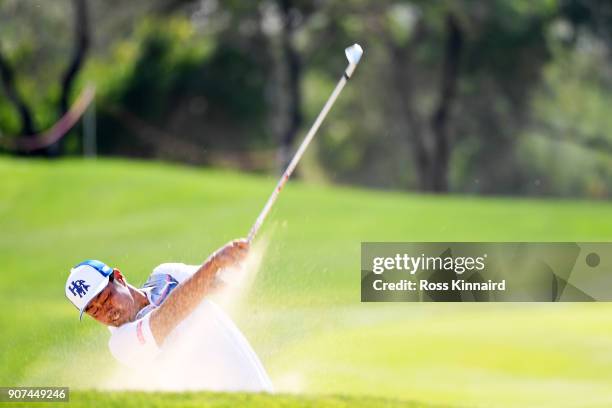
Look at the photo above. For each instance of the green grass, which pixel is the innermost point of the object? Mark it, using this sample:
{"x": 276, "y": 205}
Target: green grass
{"x": 303, "y": 314}
{"x": 88, "y": 399}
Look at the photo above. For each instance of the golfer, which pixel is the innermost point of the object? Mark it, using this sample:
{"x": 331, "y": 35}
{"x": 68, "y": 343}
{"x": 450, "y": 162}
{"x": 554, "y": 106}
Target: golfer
{"x": 169, "y": 326}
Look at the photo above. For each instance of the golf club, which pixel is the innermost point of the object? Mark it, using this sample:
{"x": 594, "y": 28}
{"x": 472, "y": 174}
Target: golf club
{"x": 353, "y": 54}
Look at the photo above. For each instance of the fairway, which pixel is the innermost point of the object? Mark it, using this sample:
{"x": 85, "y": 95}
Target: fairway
{"x": 86, "y": 399}
{"x": 303, "y": 313}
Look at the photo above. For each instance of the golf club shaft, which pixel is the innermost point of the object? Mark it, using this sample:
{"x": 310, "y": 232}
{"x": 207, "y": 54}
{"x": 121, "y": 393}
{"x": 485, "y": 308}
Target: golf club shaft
{"x": 298, "y": 155}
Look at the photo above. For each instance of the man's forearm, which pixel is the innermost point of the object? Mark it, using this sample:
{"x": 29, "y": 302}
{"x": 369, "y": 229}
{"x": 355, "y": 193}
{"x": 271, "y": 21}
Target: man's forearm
{"x": 183, "y": 300}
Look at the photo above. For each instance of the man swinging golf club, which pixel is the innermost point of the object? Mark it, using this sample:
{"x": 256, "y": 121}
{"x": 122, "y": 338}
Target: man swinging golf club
{"x": 169, "y": 321}
{"x": 146, "y": 322}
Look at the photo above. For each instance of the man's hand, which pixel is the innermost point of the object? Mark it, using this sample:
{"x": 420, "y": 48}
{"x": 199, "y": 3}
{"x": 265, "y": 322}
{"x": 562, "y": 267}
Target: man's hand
{"x": 232, "y": 253}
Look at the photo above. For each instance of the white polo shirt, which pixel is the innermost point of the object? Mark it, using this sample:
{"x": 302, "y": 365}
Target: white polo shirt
{"x": 206, "y": 351}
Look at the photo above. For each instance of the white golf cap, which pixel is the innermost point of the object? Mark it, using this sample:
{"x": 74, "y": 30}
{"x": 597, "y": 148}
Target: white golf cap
{"x": 86, "y": 281}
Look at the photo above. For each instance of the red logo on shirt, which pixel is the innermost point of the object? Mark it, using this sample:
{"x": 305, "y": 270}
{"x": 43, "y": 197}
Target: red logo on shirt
{"x": 141, "y": 338}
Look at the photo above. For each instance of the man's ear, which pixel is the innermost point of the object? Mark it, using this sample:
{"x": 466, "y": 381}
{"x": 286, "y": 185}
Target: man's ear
{"x": 119, "y": 277}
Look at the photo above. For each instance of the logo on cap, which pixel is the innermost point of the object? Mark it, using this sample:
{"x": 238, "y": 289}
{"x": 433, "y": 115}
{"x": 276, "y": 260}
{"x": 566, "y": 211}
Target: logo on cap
{"x": 79, "y": 287}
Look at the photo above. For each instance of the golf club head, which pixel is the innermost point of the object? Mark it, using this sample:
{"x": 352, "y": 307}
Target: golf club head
{"x": 353, "y": 53}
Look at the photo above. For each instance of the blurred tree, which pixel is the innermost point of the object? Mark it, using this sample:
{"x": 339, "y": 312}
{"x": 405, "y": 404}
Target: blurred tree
{"x": 569, "y": 131}
{"x": 483, "y": 97}
{"x": 81, "y": 45}
{"x": 294, "y": 15}
{"x": 594, "y": 15}
{"x": 480, "y": 58}
{"x": 439, "y": 159}
{"x": 291, "y": 17}
{"x": 453, "y": 81}
{"x": 190, "y": 87}
{"x": 404, "y": 30}
{"x": 8, "y": 81}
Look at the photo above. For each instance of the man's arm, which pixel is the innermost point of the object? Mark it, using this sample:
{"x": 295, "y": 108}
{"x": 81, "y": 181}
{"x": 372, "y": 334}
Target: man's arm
{"x": 187, "y": 296}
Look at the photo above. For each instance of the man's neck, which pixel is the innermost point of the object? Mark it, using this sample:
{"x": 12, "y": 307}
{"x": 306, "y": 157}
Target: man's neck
{"x": 140, "y": 297}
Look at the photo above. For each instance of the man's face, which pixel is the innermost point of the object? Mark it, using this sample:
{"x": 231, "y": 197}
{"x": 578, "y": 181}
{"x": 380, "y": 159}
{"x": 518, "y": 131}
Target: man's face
{"x": 114, "y": 306}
